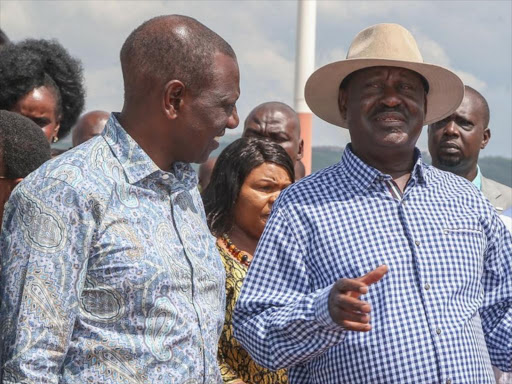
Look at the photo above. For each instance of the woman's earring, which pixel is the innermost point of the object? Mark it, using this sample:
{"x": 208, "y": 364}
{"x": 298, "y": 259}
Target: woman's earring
{"x": 55, "y": 139}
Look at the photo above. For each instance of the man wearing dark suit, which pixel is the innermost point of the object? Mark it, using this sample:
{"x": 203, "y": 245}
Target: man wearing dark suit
{"x": 455, "y": 143}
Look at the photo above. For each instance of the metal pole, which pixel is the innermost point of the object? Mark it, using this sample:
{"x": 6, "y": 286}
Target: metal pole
{"x": 304, "y": 67}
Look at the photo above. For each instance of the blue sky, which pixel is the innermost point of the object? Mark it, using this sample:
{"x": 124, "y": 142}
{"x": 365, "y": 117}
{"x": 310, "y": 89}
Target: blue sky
{"x": 473, "y": 38}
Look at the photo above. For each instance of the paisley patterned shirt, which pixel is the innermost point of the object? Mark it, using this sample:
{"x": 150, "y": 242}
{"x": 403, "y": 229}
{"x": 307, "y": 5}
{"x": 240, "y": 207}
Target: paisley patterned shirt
{"x": 109, "y": 273}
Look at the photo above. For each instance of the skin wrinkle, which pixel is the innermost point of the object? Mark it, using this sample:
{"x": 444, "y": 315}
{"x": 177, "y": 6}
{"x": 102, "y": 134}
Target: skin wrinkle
{"x": 254, "y": 203}
{"x": 385, "y": 108}
{"x": 278, "y": 122}
{"x": 184, "y": 123}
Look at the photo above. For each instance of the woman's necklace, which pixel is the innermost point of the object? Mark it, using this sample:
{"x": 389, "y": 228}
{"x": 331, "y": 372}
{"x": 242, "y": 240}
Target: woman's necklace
{"x": 241, "y": 256}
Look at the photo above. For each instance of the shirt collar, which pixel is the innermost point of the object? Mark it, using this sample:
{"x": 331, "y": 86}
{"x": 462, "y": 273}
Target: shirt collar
{"x": 477, "y": 181}
{"x": 363, "y": 175}
{"x": 137, "y": 164}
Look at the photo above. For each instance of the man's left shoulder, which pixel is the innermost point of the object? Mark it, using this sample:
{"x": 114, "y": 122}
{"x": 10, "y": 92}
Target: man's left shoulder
{"x": 449, "y": 182}
{"x": 500, "y": 195}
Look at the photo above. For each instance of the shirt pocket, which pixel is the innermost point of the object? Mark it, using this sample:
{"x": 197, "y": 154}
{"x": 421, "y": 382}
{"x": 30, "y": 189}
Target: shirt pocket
{"x": 463, "y": 247}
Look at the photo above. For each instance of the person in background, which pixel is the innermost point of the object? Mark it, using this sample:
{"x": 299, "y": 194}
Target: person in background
{"x": 388, "y": 270}
{"x": 109, "y": 272}
{"x": 300, "y": 170}
{"x": 89, "y": 125}
{"x": 278, "y": 122}
{"x": 23, "y": 149}
{"x": 455, "y": 143}
{"x": 246, "y": 180}
{"x": 205, "y": 173}
{"x": 42, "y": 81}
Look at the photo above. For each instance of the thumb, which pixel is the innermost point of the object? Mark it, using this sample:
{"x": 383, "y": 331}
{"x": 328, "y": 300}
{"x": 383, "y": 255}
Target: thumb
{"x": 373, "y": 276}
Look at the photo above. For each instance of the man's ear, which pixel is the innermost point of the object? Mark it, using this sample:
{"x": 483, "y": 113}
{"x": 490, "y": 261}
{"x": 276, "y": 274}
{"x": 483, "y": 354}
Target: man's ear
{"x": 486, "y": 138}
{"x": 342, "y": 103}
{"x": 174, "y": 91}
{"x": 300, "y": 154}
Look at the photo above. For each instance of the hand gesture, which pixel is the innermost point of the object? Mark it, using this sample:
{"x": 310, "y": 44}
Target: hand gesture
{"x": 345, "y": 307}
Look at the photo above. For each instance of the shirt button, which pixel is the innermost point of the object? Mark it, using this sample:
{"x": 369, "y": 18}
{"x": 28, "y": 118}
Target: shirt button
{"x": 165, "y": 176}
{"x": 448, "y": 381}
{"x": 427, "y": 287}
{"x": 417, "y": 242}
{"x": 438, "y": 331}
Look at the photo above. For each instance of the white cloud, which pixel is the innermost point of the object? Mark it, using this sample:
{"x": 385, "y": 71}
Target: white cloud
{"x": 472, "y": 38}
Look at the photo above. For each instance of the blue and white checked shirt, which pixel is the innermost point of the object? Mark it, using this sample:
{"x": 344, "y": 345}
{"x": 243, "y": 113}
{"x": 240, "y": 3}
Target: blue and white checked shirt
{"x": 109, "y": 272}
{"x": 441, "y": 314}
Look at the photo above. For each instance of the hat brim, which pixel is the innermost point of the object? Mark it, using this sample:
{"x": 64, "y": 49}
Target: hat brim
{"x": 446, "y": 89}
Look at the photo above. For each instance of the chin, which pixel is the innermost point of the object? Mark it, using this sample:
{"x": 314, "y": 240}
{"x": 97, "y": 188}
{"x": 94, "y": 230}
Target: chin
{"x": 448, "y": 163}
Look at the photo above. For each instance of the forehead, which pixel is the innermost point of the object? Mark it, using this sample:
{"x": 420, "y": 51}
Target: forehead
{"x": 272, "y": 119}
{"x": 268, "y": 170}
{"x": 225, "y": 76}
{"x": 471, "y": 105}
{"x": 39, "y": 99}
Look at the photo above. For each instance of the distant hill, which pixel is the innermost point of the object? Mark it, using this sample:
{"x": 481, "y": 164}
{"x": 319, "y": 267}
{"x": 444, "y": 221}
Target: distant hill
{"x": 493, "y": 167}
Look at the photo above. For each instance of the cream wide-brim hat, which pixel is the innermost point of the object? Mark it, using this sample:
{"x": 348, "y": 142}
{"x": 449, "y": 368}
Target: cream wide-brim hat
{"x": 389, "y": 45}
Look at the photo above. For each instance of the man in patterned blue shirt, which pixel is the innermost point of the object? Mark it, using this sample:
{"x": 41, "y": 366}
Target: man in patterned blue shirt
{"x": 381, "y": 269}
{"x": 109, "y": 272}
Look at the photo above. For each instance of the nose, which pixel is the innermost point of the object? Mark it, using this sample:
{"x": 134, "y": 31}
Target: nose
{"x": 390, "y": 97}
{"x": 451, "y": 129}
{"x": 233, "y": 119}
{"x": 273, "y": 197}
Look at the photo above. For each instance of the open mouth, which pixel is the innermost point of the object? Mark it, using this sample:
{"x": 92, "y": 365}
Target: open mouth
{"x": 217, "y": 138}
{"x": 391, "y": 117}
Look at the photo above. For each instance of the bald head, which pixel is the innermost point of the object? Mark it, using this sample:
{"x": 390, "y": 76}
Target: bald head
{"x": 90, "y": 124}
{"x": 278, "y": 122}
{"x": 171, "y": 47}
{"x": 481, "y": 103}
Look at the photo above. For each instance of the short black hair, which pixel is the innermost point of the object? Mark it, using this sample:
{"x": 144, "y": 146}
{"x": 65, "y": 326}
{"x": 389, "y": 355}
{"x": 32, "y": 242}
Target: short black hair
{"x": 23, "y": 145}
{"x": 171, "y": 47}
{"x": 346, "y": 80}
{"x": 233, "y": 166}
{"x": 483, "y": 101}
{"x": 31, "y": 64}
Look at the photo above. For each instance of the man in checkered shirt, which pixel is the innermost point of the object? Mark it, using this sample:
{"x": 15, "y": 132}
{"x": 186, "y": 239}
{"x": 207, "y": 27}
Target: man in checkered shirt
{"x": 381, "y": 269}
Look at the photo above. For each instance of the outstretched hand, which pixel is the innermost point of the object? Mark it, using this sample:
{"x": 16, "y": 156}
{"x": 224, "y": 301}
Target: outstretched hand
{"x": 345, "y": 307}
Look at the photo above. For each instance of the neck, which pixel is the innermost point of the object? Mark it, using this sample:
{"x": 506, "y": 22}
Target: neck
{"x": 395, "y": 163}
{"x": 242, "y": 240}
{"x": 142, "y": 124}
{"x": 467, "y": 171}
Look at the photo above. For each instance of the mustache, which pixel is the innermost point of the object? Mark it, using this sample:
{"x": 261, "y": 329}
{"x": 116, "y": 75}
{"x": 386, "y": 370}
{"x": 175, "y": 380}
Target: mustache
{"x": 448, "y": 143}
{"x": 398, "y": 111}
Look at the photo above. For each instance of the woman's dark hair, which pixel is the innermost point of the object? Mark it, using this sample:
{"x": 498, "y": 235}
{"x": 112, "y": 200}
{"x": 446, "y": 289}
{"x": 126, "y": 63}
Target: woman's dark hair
{"x": 23, "y": 145}
{"x": 233, "y": 166}
{"x": 34, "y": 63}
